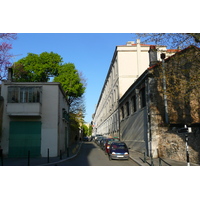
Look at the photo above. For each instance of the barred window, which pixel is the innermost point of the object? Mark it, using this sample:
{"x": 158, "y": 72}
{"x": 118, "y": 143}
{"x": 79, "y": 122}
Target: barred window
{"x": 122, "y": 112}
{"x": 127, "y": 108}
{"x": 24, "y": 94}
{"x": 142, "y": 98}
{"x": 134, "y": 105}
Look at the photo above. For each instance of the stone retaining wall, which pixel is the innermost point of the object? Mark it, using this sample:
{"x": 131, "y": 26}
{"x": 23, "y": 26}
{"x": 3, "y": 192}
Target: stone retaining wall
{"x": 172, "y": 144}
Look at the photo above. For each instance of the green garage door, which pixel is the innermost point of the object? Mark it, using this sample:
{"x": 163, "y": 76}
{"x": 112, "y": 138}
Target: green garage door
{"x": 24, "y": 136}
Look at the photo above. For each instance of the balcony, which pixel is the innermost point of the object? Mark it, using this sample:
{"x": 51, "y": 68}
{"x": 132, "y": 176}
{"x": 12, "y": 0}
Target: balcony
{"x": 24, "y": 109}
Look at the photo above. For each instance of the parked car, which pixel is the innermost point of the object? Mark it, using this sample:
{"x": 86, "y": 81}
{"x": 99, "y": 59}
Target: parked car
{"x": 85, "y": 139}
{"x": 103, "y": 142}
{"x": 98, "y": 139}
{"x": 118, "y": 150}
{"x": 95, "y": 137}
{"x": 108, "y": 143}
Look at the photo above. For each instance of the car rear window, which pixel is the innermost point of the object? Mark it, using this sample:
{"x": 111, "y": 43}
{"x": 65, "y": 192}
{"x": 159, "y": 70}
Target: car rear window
{"x": 119, "y": 146}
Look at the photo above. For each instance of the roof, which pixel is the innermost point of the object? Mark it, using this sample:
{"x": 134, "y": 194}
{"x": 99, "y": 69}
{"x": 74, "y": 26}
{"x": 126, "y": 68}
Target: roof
{"x": 125, "y": 45}
{"x": 177, "y": 52}
{"x": 173, "y": 50}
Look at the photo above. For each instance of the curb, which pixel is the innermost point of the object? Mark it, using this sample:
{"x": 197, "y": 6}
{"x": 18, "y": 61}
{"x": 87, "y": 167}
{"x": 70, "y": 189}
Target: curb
{"x": 63, "y": 160}
{"x": 135, "y": 161}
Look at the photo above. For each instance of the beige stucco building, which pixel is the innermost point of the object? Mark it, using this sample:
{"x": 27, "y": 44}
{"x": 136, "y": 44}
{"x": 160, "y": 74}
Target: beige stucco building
{"x": 35, "y": 119}
{"x": 128, "y": 63}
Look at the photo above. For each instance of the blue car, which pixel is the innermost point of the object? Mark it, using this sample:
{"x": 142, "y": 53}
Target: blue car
{"x": 118, "y": 150}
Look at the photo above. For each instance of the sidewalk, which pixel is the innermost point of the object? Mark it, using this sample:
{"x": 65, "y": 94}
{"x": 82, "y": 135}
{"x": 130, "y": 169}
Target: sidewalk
{"x": 42, "y": 161}
{"x": 139, "y": 158}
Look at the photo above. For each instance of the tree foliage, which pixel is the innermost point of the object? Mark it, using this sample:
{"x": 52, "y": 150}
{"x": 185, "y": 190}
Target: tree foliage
{"x": 173, "y": 40}
{"x": 70, "y": 80}
{"x": 37, "y": 68}
{"x": 85, "y": 130}
{"x": 40, "y": 68}
{"x": 5, "y": 56}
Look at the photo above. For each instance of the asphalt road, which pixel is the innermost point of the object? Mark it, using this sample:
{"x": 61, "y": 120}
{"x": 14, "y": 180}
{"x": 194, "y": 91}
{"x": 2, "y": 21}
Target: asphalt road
{"x": 91, "y": 155}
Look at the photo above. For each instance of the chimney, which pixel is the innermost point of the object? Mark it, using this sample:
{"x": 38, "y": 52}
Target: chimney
{"x": 138, "y": 41}
{"x": 10, "y": 74}
{"x": 152, "y": 55}
{"x": 129, "y": 43}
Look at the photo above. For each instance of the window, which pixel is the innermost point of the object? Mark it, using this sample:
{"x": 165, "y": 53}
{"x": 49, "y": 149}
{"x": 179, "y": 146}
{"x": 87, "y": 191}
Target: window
{"x": 24, "y": 94}
{"x": 122, "y": 112}
{"x": 127, "y": 108}
{"x": 142, "y": 98}
{"x": 133, "y": 100}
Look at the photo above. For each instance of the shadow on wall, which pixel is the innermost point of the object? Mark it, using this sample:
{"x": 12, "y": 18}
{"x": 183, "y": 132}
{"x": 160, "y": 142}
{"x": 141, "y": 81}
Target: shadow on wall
{"x": 134, "y": 130}
{"x": 183, "y": 97}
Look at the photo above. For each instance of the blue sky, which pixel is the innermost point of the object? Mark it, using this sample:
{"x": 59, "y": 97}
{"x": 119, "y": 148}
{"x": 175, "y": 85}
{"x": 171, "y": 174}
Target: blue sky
{"x": 90, "y": 52}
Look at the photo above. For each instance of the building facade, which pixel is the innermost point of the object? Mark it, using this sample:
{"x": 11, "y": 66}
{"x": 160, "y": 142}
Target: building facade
{"x": 144, "y": 125}
{"x": 128, "y": 63}
{"x": 35, "y": 119}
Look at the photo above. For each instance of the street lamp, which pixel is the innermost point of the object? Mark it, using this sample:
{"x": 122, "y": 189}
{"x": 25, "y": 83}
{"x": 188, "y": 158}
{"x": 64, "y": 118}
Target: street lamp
{"x": 186, "y": 130}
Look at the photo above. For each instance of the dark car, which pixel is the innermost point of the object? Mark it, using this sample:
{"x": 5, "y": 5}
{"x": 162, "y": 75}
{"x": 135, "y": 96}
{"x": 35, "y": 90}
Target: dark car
{"x": 103, "y": 142}
{"x": 85, "y": 139}
{"x": 118, "y": 150}
{"x": 108, "y": 143}
{"x": 98, "y": 140}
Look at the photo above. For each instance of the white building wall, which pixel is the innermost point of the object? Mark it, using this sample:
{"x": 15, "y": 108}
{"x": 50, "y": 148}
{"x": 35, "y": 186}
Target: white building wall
{"x": 49, "y": 134}
{"x": 53, "y": 130}
{"x": 128, "y": 63}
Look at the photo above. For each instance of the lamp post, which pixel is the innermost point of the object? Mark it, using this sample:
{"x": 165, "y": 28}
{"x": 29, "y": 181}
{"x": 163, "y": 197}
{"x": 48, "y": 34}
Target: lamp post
{"x": 186, "y": 130}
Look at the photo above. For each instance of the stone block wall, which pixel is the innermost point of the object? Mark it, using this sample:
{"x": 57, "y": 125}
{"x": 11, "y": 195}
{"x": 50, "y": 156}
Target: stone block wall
{"x": 172, "y": 144}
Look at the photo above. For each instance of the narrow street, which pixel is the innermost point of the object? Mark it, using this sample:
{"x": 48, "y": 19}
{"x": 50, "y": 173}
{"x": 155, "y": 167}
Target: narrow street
{"x": 91, "y": 155}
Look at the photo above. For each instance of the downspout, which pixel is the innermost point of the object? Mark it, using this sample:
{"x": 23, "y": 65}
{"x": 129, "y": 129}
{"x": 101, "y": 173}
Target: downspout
{"x": 149, "y": 135}
{"x": 164, "y": 88}
{"x": 152, "y": 61}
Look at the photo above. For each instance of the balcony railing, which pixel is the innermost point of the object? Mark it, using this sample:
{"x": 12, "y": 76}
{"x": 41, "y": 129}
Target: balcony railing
{"x": 24, "y": 109}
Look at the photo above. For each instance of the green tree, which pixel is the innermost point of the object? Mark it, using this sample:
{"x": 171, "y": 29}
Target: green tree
{"x": 71, "y": 82}
{"x": 37, "y": 68}
{"x": 90, "y": 130}
{"x": 85, "y": 130}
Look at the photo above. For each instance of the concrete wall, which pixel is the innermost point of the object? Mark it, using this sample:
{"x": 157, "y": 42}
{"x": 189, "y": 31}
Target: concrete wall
{"x": 49, "y": 120}
{"x": 133, "y": 130}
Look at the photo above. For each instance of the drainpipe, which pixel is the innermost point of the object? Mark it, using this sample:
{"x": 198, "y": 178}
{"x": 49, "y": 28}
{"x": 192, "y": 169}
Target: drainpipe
{"x": 152, "y": 61}
{"x": 164, "y": 88}
{"x": 148, "y": 150}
